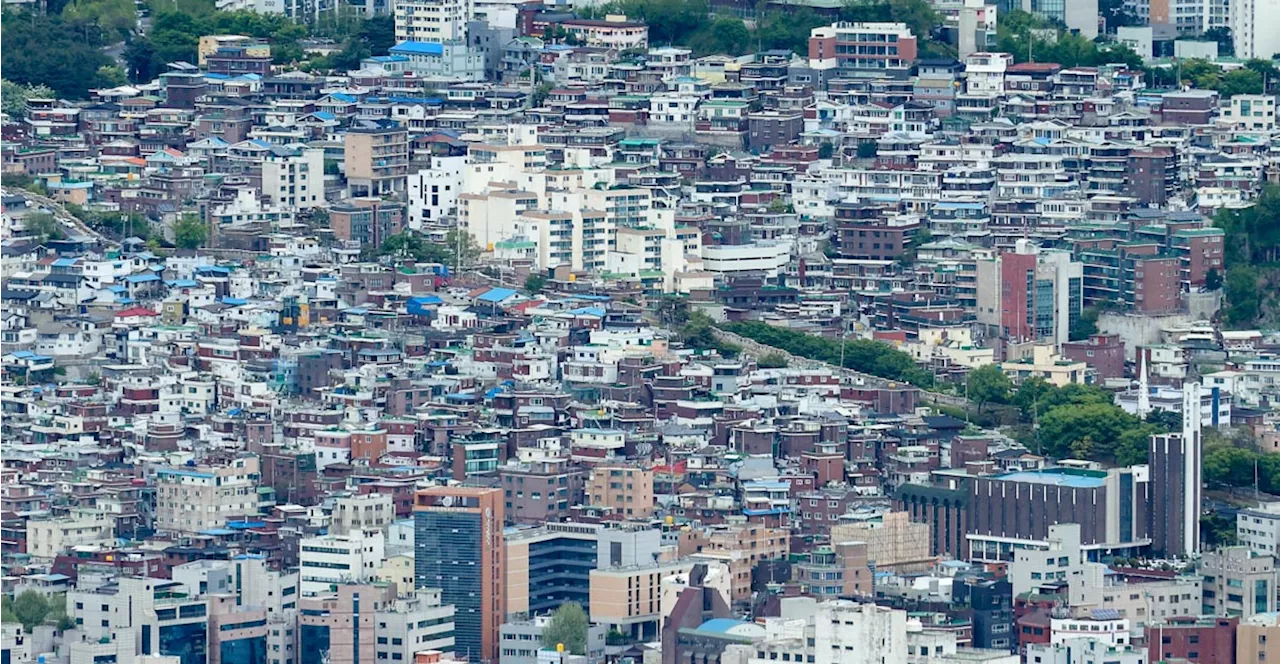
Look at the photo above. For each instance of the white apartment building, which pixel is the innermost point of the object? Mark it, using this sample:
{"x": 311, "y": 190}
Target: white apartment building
{"x": 49, "y": 537}
{"x": 1062, "y": 561}
{"x": 433, "y": 20}
{"x": 433, "y": 192}
{"x": 655, "y": 254}
{"x": 841, "y": 632}
{"x": 1112, "y": 632}
{"x": 165, "y": 620}
{"x": 984, "y": 73}
{"x": 329, "y": 560}
{"x": 247, "y": 577}
{"x": 362, "y": 512}
{"x": 204, "y": 497}
{"x": 769, "y": 257}
{"x": 294, "y": 177}
{"x": 1085, "y": 651}
{"x": 1250, "y": 112}
{"x": 1259, "y": 529}
{"x": 416, "y": 623}
{"x": 1253, "y": 28}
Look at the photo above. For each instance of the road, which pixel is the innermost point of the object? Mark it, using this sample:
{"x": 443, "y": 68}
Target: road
{"x": 59, "y": 212}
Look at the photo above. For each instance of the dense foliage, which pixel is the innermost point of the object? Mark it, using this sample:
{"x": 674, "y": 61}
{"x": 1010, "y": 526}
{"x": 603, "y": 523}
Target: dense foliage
{"x": 1251, "y": 253}
{"x": 175, "y": 35}
{"x": 698, "y": 334}
{"x": 458, "y": 248}
{"x": 568, "y": 627}
{"x": 871, "y": 357}
{"x": 1079, "y": 421}
{"x": 1022, "y": 34}
{"x": 688, "y": 23}
{"x": 63, "y": 54}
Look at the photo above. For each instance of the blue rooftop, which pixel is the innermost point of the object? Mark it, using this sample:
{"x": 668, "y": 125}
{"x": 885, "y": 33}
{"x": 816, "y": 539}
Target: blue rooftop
{"x": 1055, "y": 477}
{"x": 496, "y": 295}
{"x": 417, "y": 48}
{"x": 720, "y": 625}
{"x": 141, "y": 278}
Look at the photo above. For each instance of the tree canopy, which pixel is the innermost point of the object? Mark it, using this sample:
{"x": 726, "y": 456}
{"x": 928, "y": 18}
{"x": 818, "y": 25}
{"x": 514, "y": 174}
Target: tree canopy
{"x": 459, "y": 248}
{"x": 1251, "y": 249}
{"x": 1020, "y": 34}
{"x": 689, "y": 23}
{"x": 872, "y": 357}
{"x": 189, "y": 232}
{"x": 60, "y": 53}
{"x": 988, "y": 384}
{"x": 569, "y": 626}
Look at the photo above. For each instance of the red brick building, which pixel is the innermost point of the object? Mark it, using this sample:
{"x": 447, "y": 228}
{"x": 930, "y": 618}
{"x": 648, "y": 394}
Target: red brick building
{"x": 1206, "y": 640}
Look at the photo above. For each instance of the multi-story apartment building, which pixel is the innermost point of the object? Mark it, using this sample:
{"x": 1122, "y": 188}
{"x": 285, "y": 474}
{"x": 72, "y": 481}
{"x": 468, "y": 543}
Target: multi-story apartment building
{"x": 328, "y": 561}
{"x": 199, "y": 498}
{"x": 376, "y": 156}
{"x": 854, "y": 49}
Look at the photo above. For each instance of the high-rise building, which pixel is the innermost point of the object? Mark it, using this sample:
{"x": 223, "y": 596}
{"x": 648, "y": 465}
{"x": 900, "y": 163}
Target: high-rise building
{"x": 458, "y": 548}
{"x": 1030, "y": 294}
{"x": 1175, "y": 483}
{"x": 1253, "y": 27}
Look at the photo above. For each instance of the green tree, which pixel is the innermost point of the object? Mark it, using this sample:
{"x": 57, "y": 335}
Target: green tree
{"x": 462, "y": 249}
{"x": 58, "y": 613}
{"x": 14, "y": 96}
{"x": 1266, "y": 69}
{"x": 919, "y": 15}
{"x": 988, "y": 384}
{"x": 697, "y": 333}
{"x": 772, "y": 361}
{"x": 540, "y": 94}
{"x": 727, "y": 35}
{"x": 30, "y": 608}
{"x": 44, "y": 226}
{"x": 379, "y": 32}
{"x": 109, "y": 76}
{"x": 116, "y": 17}
{"x": 1063, "y": 429}
{"x": 568, "y": 626}
{"x": 1242, "y": 297}
{"x": 1085, "y": 325}
{"x": 534, "y": 283}
{"x": 1217, "y": 530}
{"x": 1240, "y": 82}
{"x": 1212, "y": 279}
{"x": 189, "y": 232}
{"x": 48, "y": 50}
{"x": 1226, "y": 45}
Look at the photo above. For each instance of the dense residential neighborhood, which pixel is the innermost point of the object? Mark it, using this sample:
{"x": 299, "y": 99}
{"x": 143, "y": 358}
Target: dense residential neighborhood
{"x": 648, "y": 332}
